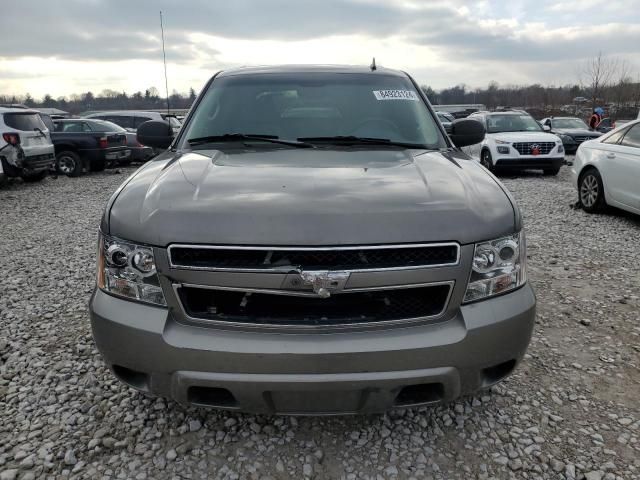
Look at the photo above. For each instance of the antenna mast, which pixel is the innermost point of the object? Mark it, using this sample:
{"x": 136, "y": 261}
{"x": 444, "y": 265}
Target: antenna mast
{"x": 164, "y": 58}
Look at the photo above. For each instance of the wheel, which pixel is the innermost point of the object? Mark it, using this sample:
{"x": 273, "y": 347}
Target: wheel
{"x": 486, "y": 160}
{"x": 97, "y": 165}
{"x": 551, "y": 171}
{"x": 69, "y": 164}
{"x": 3, "y": 179}
{"x": 591, "y": 191}
{"x": 34, "y": 177}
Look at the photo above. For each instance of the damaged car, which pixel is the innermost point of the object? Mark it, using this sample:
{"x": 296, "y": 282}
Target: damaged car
{"x": 312, "y": 242}
{"x": 26, "y": 150}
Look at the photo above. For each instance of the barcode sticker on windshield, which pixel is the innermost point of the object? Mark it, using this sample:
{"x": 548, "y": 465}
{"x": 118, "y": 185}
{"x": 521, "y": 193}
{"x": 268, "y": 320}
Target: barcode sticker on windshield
{"x": 396, "y": 95}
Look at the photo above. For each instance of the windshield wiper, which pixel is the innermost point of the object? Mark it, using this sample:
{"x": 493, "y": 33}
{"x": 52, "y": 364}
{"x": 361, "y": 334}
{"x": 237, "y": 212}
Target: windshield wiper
{"x": 353, "y": 140}
{"x": 234, "y": 137}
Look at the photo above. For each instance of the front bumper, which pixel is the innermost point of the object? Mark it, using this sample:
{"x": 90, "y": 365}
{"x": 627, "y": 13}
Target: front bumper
{"x": 101, "y": 155}
{"x": 313, "y": 373}
{"x": 141, "y": 154}
{"x": 533, "y": 162}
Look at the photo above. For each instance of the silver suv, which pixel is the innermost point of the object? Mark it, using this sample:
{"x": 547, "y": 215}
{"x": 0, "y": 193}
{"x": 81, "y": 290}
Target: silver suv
{"x": 312, "y": 242}
{"x": 25, "y": 145}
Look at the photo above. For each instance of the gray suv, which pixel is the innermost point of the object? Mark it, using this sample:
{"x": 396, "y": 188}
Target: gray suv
{"x": 312, "y": 242}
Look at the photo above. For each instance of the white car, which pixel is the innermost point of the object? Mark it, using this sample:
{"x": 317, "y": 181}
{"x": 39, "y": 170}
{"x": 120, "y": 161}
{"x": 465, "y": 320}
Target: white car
{"x": 515, "y": 140}
{"x": 25, "y": 145}
{"x": 606, "y": 171}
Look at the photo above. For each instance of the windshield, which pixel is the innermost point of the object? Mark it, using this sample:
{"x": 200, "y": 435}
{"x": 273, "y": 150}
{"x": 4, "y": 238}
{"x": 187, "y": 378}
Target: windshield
{"x": 104, "y": 126}
{"x": 568, "y": 123}
{"x": 26, "y": 122}
{"x": 511, "y": 123}
{"x": 312, "y": 105}
{"x": 173, "y": 121}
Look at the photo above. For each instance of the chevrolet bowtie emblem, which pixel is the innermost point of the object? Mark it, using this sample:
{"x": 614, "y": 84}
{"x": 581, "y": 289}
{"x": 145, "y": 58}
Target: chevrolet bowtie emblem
{"x": 324, "y": 282}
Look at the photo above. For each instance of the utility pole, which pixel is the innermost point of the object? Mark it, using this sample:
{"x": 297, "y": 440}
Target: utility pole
{"x": 164, "y": 58}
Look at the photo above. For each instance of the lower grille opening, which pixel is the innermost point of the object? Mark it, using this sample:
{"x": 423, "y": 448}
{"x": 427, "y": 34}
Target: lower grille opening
{"x": 496, "y": 373}
{"x": 339, "y": 309}
{"x": 418, "y": 394}
{"x": 133, "y": 378}
{"x": 530, "y": 163}
{"x": 211, "y": 397}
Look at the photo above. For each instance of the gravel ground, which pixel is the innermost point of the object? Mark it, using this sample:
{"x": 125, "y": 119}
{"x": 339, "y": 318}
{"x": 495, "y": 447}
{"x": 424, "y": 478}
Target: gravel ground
{"x": 571, "y": 411}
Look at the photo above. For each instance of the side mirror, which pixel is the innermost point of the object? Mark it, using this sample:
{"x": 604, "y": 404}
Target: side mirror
{"x": 155, "y": 133}
{"x": 546, "y": 128}
{"x": 466, "y": 132}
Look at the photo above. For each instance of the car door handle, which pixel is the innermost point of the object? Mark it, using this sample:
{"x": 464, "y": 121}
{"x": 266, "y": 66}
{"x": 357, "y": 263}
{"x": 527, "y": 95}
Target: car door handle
{"x": 611, "y": 155}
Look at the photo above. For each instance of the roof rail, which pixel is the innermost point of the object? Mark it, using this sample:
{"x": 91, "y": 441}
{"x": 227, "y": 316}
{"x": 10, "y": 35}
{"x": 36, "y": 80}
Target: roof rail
{"x": 13, "y": 105}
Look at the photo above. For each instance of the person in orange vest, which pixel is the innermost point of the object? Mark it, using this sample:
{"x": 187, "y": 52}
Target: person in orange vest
{"x": 596, "y": 118}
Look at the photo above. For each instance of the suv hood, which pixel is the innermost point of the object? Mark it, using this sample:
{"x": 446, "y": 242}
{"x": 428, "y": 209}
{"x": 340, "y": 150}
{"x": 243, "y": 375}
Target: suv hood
{"x": 311, "y": 198}
{"x": 524, "y": 137}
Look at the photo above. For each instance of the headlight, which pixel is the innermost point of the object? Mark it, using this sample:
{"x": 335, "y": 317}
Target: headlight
{"x": 502, "y": 142}
{"x": 503, "y": 149}
{"x": 498, "y": 267}
{"x": 566, "y": 139}
{"x": 128, "y": 270}
{"x": 560, "y": 148}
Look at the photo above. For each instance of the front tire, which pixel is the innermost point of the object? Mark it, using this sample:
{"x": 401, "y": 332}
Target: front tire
{"x": 486, "y": 160}
{"x": 34, "y": 177}
{"x": 69, "y": 163}
{"x": 591, "y": 191}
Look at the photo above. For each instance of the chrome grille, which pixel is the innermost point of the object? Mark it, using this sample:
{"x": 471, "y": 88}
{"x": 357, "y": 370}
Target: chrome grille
{"x": 233, "y": 258}
{"x": 583, "y": 139}
{"x": 525, "y": 148}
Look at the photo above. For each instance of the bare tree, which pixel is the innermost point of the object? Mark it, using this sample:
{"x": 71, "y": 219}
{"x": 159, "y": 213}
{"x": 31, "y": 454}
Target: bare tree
{"x": 622, "y": 88}
{"x": 596, "y": 75}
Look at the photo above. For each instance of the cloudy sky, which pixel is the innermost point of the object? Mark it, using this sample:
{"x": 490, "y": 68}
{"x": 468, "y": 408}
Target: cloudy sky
{"x": 72, "y": 46}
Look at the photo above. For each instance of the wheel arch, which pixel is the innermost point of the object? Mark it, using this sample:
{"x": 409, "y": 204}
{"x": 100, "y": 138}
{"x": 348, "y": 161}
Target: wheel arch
{"x": 65, "y": 147}
{"x": 592, "y": 166}
{"x": 587, "y": 168}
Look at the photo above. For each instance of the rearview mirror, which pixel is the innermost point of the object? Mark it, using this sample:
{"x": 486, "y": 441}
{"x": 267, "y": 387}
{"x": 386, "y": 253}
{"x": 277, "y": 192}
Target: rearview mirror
{"x": 466, "y": 132}
{"x": 155, "y": 133}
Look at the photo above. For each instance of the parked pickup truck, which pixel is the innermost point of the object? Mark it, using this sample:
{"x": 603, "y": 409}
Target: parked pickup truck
{"x": 312, "y": 242}
{"x": 80, "y": 147}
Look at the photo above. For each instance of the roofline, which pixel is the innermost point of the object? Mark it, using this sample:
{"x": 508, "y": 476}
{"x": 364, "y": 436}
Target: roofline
{"x": 309, "y": 68}
{"x": 18, "y": 110}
